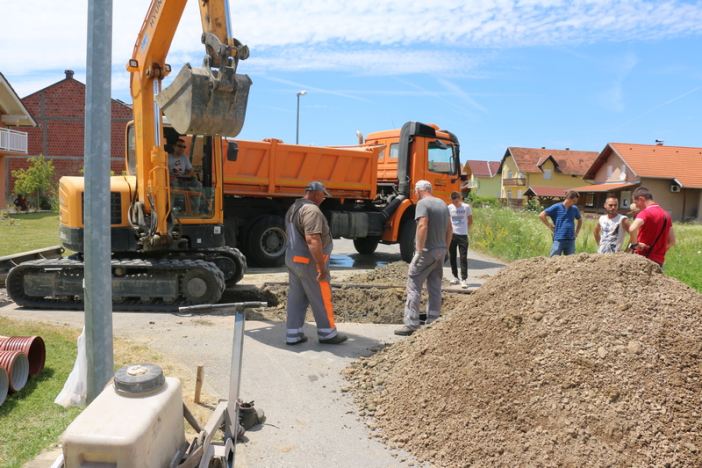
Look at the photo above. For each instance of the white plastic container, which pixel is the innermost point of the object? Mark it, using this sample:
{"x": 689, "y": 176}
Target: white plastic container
{"x": 121, "y": 430}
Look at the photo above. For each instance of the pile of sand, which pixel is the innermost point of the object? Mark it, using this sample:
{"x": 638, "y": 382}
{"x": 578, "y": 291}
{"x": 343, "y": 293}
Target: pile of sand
{"x": 581, "y": 360}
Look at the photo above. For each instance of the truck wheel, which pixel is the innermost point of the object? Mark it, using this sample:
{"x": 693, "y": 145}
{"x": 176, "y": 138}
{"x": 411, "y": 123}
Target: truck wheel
{"x": 408, "y": 229}
{"x": 265, "y": 242}
{"x": 366, "y": 245}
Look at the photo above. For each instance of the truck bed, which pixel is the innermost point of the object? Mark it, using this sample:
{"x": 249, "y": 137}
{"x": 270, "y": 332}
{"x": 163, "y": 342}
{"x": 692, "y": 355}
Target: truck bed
{"x": 271, "y": 168}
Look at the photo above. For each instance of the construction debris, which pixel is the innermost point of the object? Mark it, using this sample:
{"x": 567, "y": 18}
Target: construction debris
{"x": 582, "y": 360}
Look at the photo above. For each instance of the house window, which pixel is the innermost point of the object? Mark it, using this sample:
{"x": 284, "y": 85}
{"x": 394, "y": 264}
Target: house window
{"x": 394, "y": 151}
{"x": 624, "y": 199}
{"x": 520, "y": 194}
{"x": 548, "y": 173}
{"x": 590, "y": 199}
{"x": 610, "y": 169}
{"x": 622, "y": 176}
{"x": 381, "y": 155}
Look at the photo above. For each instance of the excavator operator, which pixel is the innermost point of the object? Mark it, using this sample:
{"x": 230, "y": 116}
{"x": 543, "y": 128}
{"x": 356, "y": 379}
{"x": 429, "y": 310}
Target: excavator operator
{"x": 183, "y": 178}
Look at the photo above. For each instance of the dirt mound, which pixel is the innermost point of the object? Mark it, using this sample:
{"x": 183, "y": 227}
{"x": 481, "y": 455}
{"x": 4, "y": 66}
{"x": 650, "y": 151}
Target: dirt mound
{"x": 393, "y": 273}
{"x": 581, "y": 360}
{"x": 368, "y": 305}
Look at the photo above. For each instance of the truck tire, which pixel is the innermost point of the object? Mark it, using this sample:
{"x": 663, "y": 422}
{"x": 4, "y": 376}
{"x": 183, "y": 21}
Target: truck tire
{"x": 366, "y": 245}
{"x": 408, "y": 230}
{"x": 265, "y": 242}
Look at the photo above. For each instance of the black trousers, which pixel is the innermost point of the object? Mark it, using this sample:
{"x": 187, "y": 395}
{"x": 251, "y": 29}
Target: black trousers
{"x": 459, "y": 242}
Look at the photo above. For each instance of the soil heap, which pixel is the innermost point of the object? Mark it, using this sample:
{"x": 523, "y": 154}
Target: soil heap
{"x": 351, "y": 303}
{"x": 584, "y": 360}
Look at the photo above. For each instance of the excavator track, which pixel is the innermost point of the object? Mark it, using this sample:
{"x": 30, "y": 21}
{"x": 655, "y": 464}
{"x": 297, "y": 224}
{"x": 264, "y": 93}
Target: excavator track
{"x": 137, "y": 284}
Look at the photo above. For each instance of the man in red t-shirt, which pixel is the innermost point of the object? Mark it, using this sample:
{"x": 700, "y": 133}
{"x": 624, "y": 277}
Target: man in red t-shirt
{"x": 652, "y": 230}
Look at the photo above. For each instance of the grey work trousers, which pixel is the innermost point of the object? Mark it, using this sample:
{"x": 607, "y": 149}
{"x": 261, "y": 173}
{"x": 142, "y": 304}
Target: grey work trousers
{"x": 305, "y": 290}
{"x": 425, "y": 266}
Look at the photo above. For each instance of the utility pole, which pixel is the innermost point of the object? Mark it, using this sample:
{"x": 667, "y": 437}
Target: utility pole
{"x": 97, "y": 285}
{"x": 297, "y": 124}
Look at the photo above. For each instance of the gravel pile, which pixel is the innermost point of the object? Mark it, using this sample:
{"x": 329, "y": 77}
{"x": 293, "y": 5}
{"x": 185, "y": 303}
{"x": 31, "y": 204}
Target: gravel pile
{"x": 571, "y": 361}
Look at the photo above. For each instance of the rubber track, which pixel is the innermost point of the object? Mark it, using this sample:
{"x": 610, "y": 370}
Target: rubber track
{"x": 65, "y": 265}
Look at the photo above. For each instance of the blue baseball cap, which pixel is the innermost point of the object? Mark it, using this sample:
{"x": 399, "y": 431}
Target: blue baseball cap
{"x": 316, "y": 185}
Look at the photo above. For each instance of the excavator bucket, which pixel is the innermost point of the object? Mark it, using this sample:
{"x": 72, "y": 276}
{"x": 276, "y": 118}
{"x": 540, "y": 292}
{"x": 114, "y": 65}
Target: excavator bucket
{"x": 203, "y": 101}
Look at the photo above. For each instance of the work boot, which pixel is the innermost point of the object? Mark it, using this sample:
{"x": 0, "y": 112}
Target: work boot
{"x": 454, "y": 281}
{"x": 464, "y": 284}
{"x": 336, "y": 339}
{"x": 404, "y": 331}
{"x": 303, "y": 339}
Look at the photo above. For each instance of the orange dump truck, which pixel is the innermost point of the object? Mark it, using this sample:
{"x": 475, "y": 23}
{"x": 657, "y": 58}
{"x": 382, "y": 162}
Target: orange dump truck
{"x": 372, "y": 188}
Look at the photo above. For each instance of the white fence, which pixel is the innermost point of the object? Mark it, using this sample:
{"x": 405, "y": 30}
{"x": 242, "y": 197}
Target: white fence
{"x": 12, "y": 140}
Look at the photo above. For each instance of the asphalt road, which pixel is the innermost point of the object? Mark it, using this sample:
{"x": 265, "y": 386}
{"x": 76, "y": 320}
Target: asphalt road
{"x": 311, "y": 422}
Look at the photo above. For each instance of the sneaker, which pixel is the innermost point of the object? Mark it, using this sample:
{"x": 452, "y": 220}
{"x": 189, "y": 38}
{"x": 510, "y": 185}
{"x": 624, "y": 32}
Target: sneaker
{"x": 300, "y": 341}
{"x": 405, "y": 331}
{"x": 454, "y": 280}
{"x": 336, "y": 339}
{"x": 464, "y": 284}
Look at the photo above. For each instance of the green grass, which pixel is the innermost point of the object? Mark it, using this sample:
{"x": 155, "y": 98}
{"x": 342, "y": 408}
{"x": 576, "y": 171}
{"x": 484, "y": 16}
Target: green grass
{"x": 511, "y": 235}
{"x": 29, "y": 419}
{"x": 21, "y": 232}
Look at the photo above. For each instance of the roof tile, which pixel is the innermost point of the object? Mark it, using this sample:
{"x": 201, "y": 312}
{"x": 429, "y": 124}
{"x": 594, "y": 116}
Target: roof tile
{"x": 667, "y": 162}
{"x": 569, "y": 162}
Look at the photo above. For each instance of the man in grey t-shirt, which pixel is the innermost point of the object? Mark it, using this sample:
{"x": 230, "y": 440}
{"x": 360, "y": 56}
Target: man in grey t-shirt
{"x": 431, "y": 242}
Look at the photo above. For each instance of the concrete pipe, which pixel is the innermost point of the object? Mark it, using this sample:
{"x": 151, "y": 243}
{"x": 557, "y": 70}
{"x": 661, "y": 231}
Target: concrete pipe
{"x": 4, "y": 385}
{"x": 16, "y": 366}
{"x": 32, "y": 346}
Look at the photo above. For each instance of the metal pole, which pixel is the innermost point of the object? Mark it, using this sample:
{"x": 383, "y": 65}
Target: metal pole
{"x": 97, "y": 285}
{"x": 297, "y": 122}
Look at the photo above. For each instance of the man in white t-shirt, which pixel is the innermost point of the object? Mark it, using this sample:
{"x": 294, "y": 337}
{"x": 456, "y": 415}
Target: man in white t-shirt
{"x": 611, "y": 227}
{"x": 178, "y": 163}
{"x": 461, "y": 220}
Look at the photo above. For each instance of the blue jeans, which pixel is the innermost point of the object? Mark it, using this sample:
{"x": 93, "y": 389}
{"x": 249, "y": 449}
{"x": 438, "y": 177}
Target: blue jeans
{"x": 563, "y": 247}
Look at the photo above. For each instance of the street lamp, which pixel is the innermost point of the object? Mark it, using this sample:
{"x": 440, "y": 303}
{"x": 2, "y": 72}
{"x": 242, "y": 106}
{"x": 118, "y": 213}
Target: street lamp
{"x": 297, "y": 122}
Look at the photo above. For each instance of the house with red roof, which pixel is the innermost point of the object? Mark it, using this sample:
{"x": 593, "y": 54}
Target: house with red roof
{"x": 672, "y": 173}
{"x": 13, "y": 139}
{"x": 482, "y": 178}
{"x": 57, "y": 130}
{"x": 542, "y": 173}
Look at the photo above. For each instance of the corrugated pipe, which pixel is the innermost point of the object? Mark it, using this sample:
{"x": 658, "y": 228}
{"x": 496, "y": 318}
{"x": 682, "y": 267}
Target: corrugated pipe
{"x": 32, "y": 346}
{"x": 16, "y": 365}
{"x": 4, "y": 385}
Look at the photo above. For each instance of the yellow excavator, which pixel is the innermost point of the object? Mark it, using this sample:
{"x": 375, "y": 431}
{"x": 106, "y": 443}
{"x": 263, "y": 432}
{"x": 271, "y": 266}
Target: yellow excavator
{"x": 168, "y": 245}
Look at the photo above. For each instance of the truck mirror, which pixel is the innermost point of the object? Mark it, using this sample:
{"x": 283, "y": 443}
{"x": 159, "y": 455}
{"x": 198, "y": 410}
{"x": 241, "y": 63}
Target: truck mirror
{"x": 232, "y": 150}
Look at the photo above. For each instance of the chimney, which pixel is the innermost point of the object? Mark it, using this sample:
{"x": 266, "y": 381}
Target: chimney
{"x": 659, "y": 142}
{"x": 69, "y": 74}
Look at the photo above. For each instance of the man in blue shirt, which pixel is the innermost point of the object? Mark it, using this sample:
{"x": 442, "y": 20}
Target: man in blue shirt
{"x": 564, "y": 229}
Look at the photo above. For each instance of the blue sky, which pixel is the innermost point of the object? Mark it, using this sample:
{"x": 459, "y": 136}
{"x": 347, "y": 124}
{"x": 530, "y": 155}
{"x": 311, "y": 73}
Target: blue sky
{"x": 496, "y": 73}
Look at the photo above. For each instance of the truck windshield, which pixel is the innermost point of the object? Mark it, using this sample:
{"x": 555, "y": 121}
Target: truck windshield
{"x": 441, "y": 157}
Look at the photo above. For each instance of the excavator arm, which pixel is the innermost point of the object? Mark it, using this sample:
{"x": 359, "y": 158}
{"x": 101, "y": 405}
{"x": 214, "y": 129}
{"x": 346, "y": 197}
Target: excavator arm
{"x": 210, "y": 100}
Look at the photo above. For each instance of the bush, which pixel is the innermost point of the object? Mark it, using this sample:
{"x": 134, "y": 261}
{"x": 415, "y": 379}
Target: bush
{"x": 534, "y": 205}
{"x": 37, "y": 182}
{"x": 483, "y": 202}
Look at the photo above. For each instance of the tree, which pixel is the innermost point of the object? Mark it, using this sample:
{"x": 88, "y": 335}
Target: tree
{"x": 36, "y": 182}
